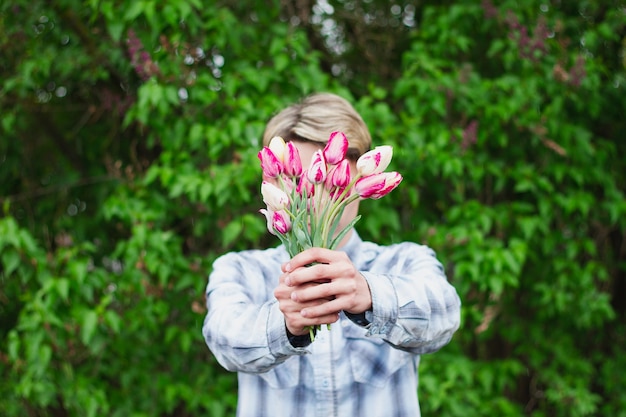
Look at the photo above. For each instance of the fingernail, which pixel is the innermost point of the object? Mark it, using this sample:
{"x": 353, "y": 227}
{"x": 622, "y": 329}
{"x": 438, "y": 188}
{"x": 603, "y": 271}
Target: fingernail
{"x": 293, "y": 296}
{"x": 304, "y": 313}
{"x": 288, "y": 282}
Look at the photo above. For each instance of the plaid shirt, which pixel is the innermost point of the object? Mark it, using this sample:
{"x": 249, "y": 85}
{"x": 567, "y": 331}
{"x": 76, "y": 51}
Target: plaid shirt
{"x": 352, "y": 370}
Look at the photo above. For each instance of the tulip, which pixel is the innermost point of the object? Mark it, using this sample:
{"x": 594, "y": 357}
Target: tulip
{"x": 277, "y": 146}
{"x": 270, "y": 164}
{"x": 374, "y": 161}
{"x": 317, "y": 170}
{"x": 269, "y": 215}
{"x": 340, "y": 176}
{"x": 392, "y": 180}
{"x": 292, "y": 162}
{"x": 378, "y": 185}
{"x": 368, "y": 186}
{"x": 275, "y": 198}
{"x": 305, "y": 187}
{"x": 281, "y": 222}
{"x": 336, "y": 148}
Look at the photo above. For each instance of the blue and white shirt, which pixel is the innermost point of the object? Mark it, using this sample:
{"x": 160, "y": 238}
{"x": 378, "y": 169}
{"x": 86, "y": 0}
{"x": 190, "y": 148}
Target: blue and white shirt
{"x": 350, "y": 370}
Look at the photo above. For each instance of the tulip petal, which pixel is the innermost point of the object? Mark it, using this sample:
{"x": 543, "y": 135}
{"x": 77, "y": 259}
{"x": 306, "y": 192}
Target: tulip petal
{"x": 277, "y": 146}
{"x": 275, "y": 198}
{"x": 336, "y": 148}
{"x": 269, "y": 215}
{"x": 292, "y": 162}
{"x": 317, "y": 170}
{"x": 272, "y": 167}
{"x": 392, "y": 180}
{"x": 305, "y": 187}
{"x": 369, "y": 185}
{"x": 374, "y": 161}
{"x": 341, "y": 174}
{"x": 281, "y": 222}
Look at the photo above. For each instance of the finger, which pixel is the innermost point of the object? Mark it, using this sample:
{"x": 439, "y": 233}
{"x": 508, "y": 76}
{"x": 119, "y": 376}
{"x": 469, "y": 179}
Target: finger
{"x": 289, "y": 306}
{"x": 310, "y": 256}
{"x": 323, "y": 310}
{"x": 304, "y": 293}
{"x": 319, "y": 320}
{"x": 316, "y": 274}
{"x": 299, "y": 325}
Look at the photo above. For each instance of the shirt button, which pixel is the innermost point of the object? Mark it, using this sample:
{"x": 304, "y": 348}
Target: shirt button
{"x": 325, "y": 383}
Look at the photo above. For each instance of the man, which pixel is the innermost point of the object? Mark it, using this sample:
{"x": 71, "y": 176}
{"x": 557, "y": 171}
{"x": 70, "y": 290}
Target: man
{"x": 387, "y": 306}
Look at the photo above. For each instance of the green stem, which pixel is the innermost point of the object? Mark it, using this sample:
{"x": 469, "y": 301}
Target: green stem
{"x": 337, "y": 207}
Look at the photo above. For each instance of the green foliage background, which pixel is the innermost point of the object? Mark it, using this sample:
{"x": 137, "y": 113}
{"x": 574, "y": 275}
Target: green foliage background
{"x": 129, "y": 131}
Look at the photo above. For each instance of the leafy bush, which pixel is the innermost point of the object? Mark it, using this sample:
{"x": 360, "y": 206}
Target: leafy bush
{"x": 128, "y": 163}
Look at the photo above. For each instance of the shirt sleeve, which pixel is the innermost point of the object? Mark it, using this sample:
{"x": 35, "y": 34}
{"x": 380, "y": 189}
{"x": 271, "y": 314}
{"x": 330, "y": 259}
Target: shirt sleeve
{"x": 414, "y": 307}
{"x": 243, "y": 332}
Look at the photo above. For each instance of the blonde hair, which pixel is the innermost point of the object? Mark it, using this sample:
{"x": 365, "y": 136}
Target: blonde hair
{"x": 315, "y": 118}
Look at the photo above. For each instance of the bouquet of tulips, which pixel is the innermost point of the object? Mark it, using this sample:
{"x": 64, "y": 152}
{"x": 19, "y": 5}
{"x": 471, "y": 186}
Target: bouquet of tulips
{"x": 304, "y": 206}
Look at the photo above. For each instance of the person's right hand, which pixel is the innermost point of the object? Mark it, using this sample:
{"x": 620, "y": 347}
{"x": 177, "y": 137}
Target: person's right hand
{"x": 296, "y": 323}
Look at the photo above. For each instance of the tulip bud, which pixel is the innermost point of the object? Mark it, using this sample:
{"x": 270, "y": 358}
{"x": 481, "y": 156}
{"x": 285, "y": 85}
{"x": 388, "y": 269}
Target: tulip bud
{"x": 272, "y": 167}
{"x": 305, "y": 187}
{"x": 336, "y": 148}
{"x": 281, "y": 222}
{"x": 374, "y": 161}
{"x": 341, "y": 174}
{"x": 317, "y": 171}
{"x": 277, "y": 146}
{"x": 365, "y": 187}
{"x": 293, "y": 164}
{"x": 378, "y": 185}
{"x": 275, "y": 198}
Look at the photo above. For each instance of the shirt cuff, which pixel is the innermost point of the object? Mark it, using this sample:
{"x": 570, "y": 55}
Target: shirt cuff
{"x": 384, "y": 305}
{"x": 301, "y": 341}
{"x": 362, "y": 319}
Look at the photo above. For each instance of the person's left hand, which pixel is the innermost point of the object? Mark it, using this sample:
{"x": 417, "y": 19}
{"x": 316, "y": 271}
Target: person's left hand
{"x": 337, "y": 278}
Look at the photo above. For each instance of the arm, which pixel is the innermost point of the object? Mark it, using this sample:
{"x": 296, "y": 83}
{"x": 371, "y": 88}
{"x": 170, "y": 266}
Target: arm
{"x": 244, "y": 327}
{"x": 414, "y": 307}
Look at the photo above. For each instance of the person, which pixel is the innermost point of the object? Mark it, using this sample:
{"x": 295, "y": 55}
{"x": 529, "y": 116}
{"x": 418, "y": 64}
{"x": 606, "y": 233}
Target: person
{"x": 387, "y": 305}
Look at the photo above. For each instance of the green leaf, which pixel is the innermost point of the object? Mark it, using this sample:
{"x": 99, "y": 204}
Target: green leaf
{"x": 10, "y": 261}
{"x": 113, "y": 320}
{"x": 89, "y": 321}
{"x": 62, "y": 286}
{"x": 231, "y": 232}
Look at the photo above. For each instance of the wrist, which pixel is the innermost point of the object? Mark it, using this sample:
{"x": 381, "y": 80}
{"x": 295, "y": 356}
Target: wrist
{"x": 301, "y": 340}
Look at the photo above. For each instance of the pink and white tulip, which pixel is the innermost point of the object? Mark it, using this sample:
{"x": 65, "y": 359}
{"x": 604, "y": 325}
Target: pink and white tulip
{"x": 340, "y": 176}
{"x": 374, "y": 161}
{"x": 270, "y": 164}
{"x": 305, "y": 187}
{"x": 292, "y": 162}
{"x": 275, "y": 198}
{"x": 378, "y": 185}
{"x": 281, "y": 222}
{"x": 317, "y": 170}
{"x": 336, "y": 148}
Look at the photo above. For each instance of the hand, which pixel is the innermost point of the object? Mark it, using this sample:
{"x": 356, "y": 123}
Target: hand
{"x": 319, "y": 292}
{"x": 296, "y": 323}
